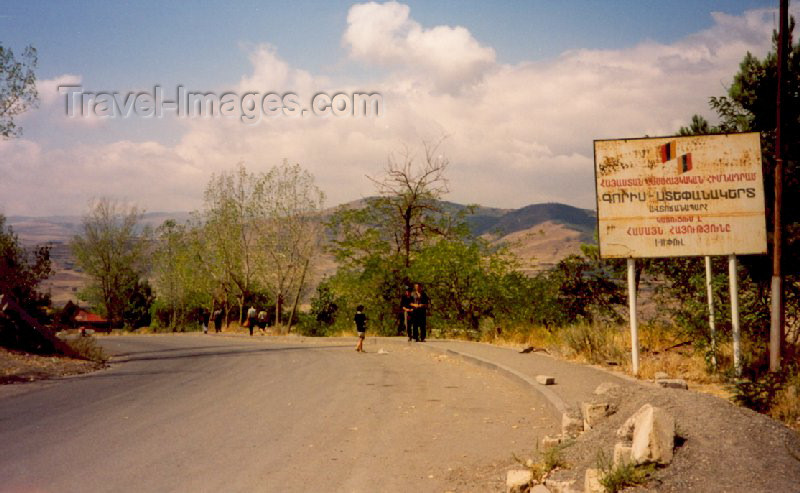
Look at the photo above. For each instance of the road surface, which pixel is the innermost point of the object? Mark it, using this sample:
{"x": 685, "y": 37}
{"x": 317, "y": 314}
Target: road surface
{"x": 213, "y": 413}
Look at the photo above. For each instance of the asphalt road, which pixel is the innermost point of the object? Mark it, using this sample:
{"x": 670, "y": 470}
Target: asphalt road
{"x": 210, "y": 413}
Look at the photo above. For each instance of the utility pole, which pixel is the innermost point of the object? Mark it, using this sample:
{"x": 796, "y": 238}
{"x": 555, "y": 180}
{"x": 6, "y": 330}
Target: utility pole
{"x": 776, "y": 329}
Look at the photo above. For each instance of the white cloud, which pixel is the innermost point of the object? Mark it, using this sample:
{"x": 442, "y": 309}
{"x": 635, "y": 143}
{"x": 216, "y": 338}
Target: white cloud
{"x": 517, "y": 134}
{"x": 449, "y": 57}
{"x": 53, "y": 94}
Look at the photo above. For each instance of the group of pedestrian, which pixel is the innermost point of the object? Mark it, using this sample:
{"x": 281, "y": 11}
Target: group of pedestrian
{"x": 256, "y": 319}
{"x": 414, "y": 305}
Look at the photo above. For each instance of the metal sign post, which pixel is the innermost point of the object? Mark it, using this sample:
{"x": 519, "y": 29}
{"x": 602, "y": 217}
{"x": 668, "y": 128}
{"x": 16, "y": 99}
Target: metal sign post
{"x": 632, "y": 310}
{"x": 681, "y": 196}
{"x": 712, "y": 327}
{"x": 734, "y": 285}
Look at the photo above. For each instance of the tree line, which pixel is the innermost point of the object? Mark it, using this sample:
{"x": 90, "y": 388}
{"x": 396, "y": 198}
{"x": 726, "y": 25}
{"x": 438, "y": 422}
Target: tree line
{"x": 253, "y": 242}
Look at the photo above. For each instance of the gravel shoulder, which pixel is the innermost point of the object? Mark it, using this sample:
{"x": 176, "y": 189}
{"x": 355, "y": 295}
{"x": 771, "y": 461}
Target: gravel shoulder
{"x": 721, "y": 447}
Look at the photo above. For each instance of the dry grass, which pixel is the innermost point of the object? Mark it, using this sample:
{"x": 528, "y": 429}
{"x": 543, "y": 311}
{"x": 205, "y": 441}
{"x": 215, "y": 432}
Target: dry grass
{"x": 610, "y": 346}
{"x": 17, "y": 366}
{"x": 87, "y": 348}
{"x": 786, "y": 406}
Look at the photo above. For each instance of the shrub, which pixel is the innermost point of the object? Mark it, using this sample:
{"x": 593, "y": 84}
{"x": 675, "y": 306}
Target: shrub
{"x": 597, "y": 343}
{"x": 88, "y": 349}
{"x": 758, "y": 394}
{"x": 617, "y": 477}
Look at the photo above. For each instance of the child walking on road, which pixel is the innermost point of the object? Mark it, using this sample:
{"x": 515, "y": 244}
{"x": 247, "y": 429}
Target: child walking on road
{"x": 361, "y": 327}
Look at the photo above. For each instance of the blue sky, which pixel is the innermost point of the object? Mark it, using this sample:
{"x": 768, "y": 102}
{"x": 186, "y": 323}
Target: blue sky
{"x": 135, "y": 43}
{"x": 490, "y": 120}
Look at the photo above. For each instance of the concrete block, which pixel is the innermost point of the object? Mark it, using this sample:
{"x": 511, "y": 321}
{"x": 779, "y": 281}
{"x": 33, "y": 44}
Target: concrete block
{"x": 591, "y": 482}
{"x": 560, "y": 486}
{"x": 518, "y": 480}
{"x": 653, "y": 436}
{"x": 623, "y": 454}
{"x": 571, "y": 427}
{"x": 549, "y": 442}
{"x": 545, "y": 379}
{"x": 593, "y": 413}
{"x": 626, "y": 430}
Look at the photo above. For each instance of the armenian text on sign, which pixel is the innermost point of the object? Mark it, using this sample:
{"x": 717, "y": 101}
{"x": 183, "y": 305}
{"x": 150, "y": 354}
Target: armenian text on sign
{"x": 680, "y": 196}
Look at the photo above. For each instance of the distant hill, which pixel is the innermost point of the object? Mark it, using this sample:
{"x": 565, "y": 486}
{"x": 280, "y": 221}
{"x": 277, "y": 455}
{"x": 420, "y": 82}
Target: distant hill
{"x": 582, "y": 220}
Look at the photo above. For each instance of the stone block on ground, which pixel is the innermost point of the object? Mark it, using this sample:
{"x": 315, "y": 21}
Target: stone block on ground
{"x": 623, "y": 454}
{"x": 545, "y": 379}
{"x": 591, "y": 482}
{"x": 571, "y": 426}
{"x": 549, "y": 442}
{"x": 605, "y": 388}
{"x": 626, "y": 430}
{"x": 560, "y": 485}
{"x": 593, "y": 413}
{"x": 661, "y": 375}
{"x": 653, "y": 436}
{"x": 673, "y": 383}
{"x": 518, "y": 480}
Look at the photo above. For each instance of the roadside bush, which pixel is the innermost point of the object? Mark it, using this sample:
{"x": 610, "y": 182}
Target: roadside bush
{"x": 617, "y": 477}
{"x": 759, "y": 394}
{"x": 597, "y": 343}
{"x": 786, "y": 402}
{"x": 88, "y": 349}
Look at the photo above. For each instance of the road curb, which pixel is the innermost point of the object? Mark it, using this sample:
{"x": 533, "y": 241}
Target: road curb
{"x": 557, "y": 402}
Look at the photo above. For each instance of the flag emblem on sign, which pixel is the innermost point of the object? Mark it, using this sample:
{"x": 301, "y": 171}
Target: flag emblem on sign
{"x": 667, "y": 151}
{"x": 685, "y": 163}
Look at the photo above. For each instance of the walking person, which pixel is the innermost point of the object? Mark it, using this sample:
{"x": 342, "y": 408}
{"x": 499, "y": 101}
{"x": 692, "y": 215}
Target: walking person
{"x": 205, "y": 317}
{"x": 405, "y": 306}
{"x": 252, "y": 319}
{"x": 361, "y": 327}
{"x": 419, "y": 304}
{"x": 262, "y": 321}
{"x": 218, "y": 320}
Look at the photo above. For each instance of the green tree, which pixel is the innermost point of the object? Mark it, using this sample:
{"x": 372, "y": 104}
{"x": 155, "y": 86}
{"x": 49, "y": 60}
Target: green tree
{"x": 230, "y": 212}
{"x": 288, "y": 232}
{"x": 183, "y": 282}
{"x": 20, "y": 274}
{"x": 464, "y": 277}
{"x": 261, "y": 231}
{"x": 749, "y": 105}
{"x": 585, "y": 290}
{"x": 17, "y": 88}
{"x": 377, "y": 242}
{"x": 113, "y": 251}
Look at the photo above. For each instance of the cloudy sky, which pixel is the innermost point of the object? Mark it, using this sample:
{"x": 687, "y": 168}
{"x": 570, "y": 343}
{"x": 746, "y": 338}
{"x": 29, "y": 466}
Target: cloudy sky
{"x": 517, "y": 90}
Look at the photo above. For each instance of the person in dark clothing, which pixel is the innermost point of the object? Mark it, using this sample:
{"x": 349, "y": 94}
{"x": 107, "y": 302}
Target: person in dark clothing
{"x": 252, "y": 319}
{"x": 361, "y": 327}
{"x": 405, "y": 306}
{"x": 419, "y": 303}
{"x": 205, "y": 317}
{"x": 218, "y": 320}
{"x": 262, "y": 321}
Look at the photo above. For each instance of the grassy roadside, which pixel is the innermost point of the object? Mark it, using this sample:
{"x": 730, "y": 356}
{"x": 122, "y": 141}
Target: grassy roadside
{"x": 660, "y": 351}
